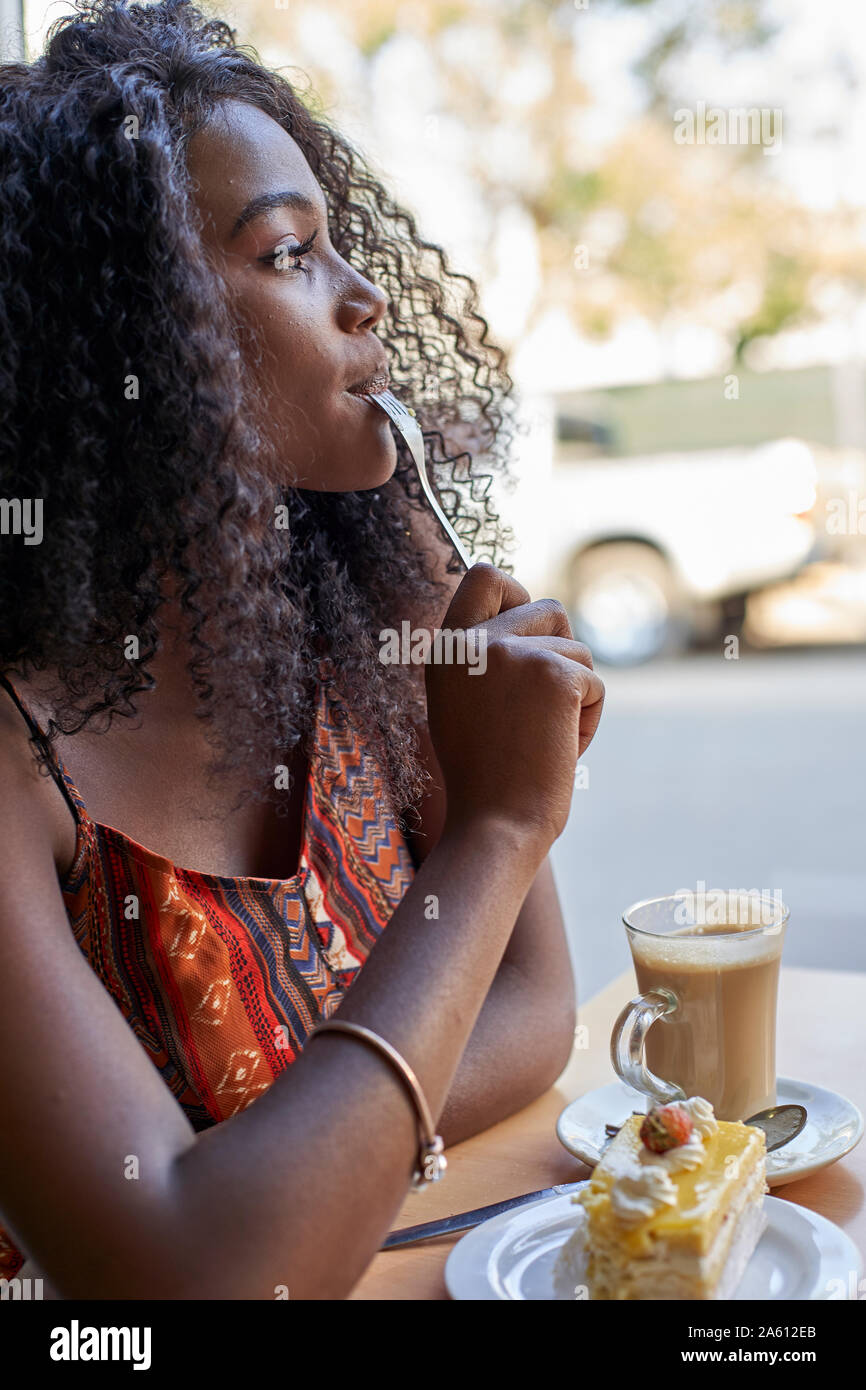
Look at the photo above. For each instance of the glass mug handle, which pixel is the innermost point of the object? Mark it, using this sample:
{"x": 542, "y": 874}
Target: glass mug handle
{"x": 627, "y": 1045}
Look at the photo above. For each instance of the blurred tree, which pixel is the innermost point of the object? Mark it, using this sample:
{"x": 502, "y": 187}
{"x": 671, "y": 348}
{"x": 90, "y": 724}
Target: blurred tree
{"x": 636, "y": 224}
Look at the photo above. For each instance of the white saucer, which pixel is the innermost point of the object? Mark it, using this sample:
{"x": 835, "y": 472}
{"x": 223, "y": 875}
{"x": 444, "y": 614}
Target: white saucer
{"x": 512, "y": 1256}
{"x": 834, "y": 1125}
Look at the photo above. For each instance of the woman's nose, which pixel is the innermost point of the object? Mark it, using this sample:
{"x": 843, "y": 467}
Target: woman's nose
{"x": 363, "y": 304}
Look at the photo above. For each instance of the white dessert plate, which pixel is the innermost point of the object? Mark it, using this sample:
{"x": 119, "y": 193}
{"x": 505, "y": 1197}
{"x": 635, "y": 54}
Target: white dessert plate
{"x": 512, "y": 1256}
{"x": 834, "y": 1125}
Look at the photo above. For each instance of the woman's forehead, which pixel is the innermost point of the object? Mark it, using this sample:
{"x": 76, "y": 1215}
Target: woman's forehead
{"x": 241, "y": 153}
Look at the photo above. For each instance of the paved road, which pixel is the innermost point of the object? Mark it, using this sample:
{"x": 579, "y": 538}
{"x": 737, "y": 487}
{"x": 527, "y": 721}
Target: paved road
{"x": 743, "y": 774}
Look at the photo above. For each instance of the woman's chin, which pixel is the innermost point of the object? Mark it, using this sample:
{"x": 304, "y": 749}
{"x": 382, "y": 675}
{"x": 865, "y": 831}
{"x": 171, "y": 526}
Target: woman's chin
{"x": 368, "y": 482}
{"x": 375, "y": 458}
{"x": 384, "y": 466}
{"x": 369, "y": 467}
{"x": 355, "y": 450}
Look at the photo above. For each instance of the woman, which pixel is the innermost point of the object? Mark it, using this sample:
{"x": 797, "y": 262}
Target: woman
{"x": 205, "y": 533}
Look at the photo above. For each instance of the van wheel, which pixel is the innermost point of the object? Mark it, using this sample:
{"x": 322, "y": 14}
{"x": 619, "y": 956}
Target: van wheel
{"x": 626, "y": 605}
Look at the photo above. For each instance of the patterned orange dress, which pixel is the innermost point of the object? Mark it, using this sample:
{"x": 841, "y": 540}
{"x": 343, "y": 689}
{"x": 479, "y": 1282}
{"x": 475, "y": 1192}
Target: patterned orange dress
{"x": 222, "y": 979}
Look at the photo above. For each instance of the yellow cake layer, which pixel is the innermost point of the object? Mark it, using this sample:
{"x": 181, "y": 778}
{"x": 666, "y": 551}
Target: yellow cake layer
{"x": 704, "y": 1194}
{"x": 673, "y": 1272}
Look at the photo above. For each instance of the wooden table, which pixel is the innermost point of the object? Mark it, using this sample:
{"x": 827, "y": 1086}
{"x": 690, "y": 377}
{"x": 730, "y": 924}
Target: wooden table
{"x": 821, "y": 1038}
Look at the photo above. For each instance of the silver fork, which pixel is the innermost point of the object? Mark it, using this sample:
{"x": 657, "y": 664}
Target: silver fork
{"x": 404, "y": 418}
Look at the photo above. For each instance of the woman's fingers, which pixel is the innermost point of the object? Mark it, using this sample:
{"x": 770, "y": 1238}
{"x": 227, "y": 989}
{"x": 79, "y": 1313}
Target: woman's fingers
{"x": 483, "y": 593}
{"x": 586, "y": 682}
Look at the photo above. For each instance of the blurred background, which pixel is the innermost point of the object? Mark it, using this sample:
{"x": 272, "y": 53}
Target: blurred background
{"x": 664, "y": 204}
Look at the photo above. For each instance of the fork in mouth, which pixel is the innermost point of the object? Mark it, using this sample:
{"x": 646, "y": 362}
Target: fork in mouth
{"x": 406, "y": 423}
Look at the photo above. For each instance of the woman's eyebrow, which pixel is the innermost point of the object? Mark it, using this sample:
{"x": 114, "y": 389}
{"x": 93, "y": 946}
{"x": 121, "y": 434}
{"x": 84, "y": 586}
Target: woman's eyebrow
{"x": 288, "y": 198}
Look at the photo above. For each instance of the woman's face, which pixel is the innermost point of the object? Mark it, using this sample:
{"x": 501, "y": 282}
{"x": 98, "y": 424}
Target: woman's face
{"x": 314, "y": 318}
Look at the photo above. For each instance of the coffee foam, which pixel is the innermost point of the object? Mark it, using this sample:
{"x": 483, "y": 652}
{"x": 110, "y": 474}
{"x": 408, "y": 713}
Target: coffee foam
{"x": 683, "y": 950}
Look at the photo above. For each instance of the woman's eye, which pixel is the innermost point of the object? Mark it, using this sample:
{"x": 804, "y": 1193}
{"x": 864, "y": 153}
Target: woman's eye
{"x": 282, "y": 258}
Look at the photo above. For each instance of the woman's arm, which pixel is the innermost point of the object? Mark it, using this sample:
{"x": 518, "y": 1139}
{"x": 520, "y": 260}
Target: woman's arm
{"x": 524, "y": 1034}
{"x": 104, "y": 1183}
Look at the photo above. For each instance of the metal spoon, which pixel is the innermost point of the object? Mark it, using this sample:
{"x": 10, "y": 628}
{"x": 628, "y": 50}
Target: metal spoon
{"x": 780, "y": 1123}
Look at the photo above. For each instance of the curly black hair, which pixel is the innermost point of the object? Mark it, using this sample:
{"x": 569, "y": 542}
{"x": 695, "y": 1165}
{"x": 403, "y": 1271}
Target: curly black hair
{"x": 127, "y": 409}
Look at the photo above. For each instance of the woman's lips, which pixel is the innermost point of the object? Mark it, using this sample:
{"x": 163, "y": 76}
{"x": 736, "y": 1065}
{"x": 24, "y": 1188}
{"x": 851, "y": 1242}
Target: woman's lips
{"x": 373, "y": 386}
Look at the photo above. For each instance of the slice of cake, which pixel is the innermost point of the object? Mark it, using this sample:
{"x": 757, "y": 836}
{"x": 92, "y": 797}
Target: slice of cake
{"x": 674, "y": 1209}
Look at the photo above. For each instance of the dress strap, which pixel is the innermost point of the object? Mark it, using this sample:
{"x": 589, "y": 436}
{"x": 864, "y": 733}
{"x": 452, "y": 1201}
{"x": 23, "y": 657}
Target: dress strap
{"x": 55, "y": 766}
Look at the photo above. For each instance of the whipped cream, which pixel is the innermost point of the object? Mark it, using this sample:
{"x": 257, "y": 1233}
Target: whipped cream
{"x": 700, "y": 1112}
{"x": 642, "y": 1184}
{"x": 636, "y": 1196}
{"x": 681, "y": 1158}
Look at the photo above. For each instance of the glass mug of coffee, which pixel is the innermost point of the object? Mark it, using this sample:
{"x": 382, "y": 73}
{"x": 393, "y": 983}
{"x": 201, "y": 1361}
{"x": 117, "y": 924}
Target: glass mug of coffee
{"x": 704, "y": 1023}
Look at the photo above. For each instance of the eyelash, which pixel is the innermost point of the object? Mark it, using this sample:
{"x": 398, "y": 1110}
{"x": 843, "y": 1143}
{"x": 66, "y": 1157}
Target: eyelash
{"x": 293, "y": 252}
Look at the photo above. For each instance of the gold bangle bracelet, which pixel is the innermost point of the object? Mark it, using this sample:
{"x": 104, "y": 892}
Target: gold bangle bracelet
{"x": 431, "y": 1153}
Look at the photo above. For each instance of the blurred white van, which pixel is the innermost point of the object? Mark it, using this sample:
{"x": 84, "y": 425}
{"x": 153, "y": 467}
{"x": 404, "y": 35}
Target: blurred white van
{"x": 644, "y": 551}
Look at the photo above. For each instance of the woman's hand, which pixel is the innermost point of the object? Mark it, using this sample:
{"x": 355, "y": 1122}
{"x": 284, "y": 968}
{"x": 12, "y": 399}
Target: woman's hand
{"x": 508, "y": 740}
